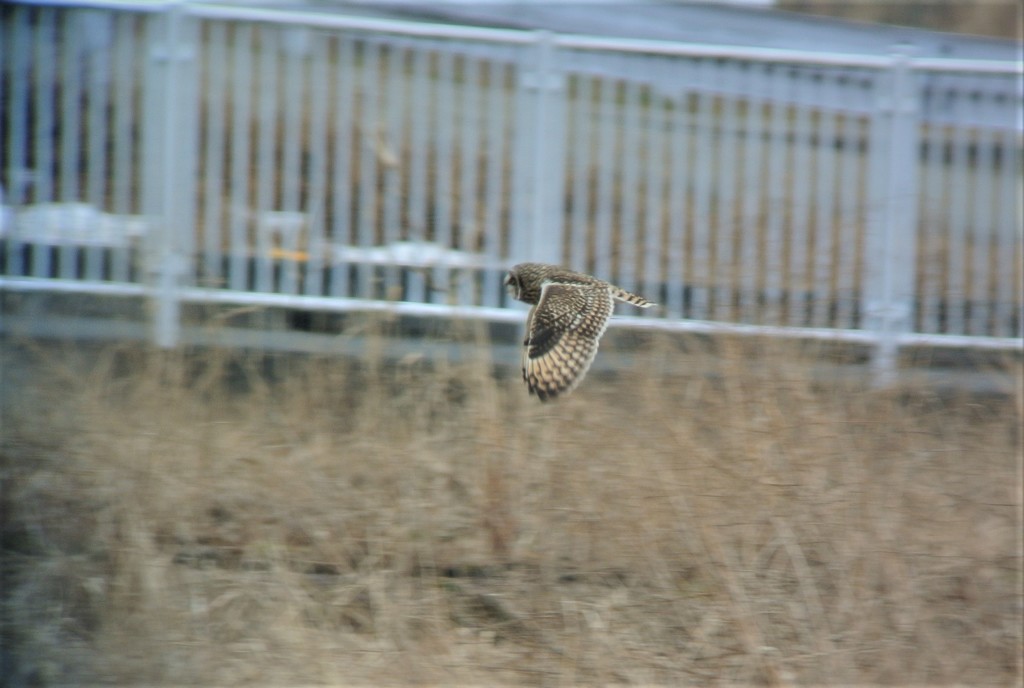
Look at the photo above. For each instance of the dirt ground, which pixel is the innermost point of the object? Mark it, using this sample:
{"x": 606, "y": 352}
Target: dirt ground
{"x": 199, "y": 517}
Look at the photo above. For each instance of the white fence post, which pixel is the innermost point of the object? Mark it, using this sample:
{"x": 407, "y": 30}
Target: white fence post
{"x": 891, "y": 241}
{"x": 538, "y": 195}
{"x": 169, "y": 174}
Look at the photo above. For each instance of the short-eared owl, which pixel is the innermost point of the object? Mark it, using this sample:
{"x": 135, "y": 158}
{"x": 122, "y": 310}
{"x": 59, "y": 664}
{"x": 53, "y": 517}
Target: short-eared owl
{"x": 570, "y": 312}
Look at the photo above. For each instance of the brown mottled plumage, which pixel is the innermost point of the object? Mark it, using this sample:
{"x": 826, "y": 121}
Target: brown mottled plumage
{"x": 569, "y": 315}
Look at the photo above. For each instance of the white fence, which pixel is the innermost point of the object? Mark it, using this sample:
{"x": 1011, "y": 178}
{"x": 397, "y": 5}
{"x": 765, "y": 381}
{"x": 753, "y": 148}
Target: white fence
{"x": 193, "y": 152}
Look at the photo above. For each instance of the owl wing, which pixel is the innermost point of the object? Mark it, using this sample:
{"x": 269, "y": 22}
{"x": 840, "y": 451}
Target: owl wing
{"x": 562, "y": 334}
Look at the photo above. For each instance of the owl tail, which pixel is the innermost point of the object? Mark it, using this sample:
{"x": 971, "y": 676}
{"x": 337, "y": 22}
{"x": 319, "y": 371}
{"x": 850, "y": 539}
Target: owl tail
{"x": 628, "y": 297}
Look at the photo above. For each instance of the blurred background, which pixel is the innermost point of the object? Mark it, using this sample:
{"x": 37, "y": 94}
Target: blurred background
{"x": 261, "y": 408}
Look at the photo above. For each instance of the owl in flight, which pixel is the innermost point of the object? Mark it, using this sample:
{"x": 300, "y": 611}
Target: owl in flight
{"x": 570, "y": 312}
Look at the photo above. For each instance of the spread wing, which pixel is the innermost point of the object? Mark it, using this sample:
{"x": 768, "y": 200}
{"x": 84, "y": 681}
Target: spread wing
{"x": 562, "y": 334}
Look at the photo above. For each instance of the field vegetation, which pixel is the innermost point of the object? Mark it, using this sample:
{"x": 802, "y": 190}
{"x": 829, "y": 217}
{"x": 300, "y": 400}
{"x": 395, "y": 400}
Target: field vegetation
{"x": 205, "y": 517}
{"x": 995, "y": 18}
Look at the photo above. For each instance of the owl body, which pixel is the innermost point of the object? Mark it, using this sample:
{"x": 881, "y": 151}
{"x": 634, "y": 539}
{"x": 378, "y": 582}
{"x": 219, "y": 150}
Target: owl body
{"x": 570, "y": 313}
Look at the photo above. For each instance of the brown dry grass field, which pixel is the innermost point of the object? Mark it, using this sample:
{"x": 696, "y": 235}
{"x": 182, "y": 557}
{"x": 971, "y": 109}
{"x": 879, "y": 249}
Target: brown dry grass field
{"x": 200, "y": 518}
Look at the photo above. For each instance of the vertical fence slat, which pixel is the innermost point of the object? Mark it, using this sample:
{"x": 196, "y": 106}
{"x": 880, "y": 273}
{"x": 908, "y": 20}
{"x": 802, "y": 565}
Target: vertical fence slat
{"x": 549, "y": 230}
{"x": 469, "y": 145}
{"x": 70, "y": 127}
{"x": 727, "y": 74}
{"x": 654, "y": 201}
{"x": 778, "y": 159}
{"x": 822, "y": 296}
{"x": 15, "y": 150}
{"x": 497, "y": 138}
{"x": 606, "y": 141}
{"x": 123, "y": 170}
{"x": 366, "y": 222}
{"x": 294, "y": 46}
{"x": 96, "y": 60}
{"x": 389, "y": 143}
{"x": 5, "y": 167}
{"x": 443, "y": 159}
{"x": 981, "y": 231}
{"x": 930, "y": 248}
{"x": 316, "y": 169}
{"x": 389, "y": 148}
{"x": 43, "y": 75}
{"x": 43, "y": 81}
{"x": 215, "y": 54}
{"x": 800, "y": 201}
{"x": 294, "y": 222}
{"x": 266, "y": 153}
{"x": 522, "y": 161}
{"x": 242, "y": 125}
{"x": 752, "y": 228}
{"x": 956, "y": 262}
{"x": 421, "y": 123}
{"x": 582, "y": 146}
{"x": 186, "y": 123}
{"x": 700, "y": 261}
{"x": 1010, "y": 290}
{"x": 850, "y": 225}
{"x": 625, "y": 272}
{"x": 342, "y": 167}
{"x": 679, "y": 181}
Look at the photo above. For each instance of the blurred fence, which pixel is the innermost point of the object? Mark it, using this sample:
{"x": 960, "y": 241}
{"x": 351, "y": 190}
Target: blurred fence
{"x": 191, "y": 152}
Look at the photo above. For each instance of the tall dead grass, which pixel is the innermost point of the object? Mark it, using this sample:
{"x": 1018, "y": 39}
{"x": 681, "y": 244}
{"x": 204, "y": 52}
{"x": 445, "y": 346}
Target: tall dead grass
{"x": 206, "y": 518}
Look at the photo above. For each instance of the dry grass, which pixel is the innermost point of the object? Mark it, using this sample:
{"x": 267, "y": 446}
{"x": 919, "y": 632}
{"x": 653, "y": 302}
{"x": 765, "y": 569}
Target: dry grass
{"x": 997, "y": 18}
{"x": 205, "y": 519}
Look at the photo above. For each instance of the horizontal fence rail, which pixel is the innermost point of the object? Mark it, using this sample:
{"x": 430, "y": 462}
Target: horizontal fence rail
{"x": 194, "y": 152}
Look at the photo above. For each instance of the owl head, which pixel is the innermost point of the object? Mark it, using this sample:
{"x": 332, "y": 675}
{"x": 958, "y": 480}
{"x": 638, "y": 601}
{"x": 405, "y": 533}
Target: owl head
{"x": 513, "y": 284}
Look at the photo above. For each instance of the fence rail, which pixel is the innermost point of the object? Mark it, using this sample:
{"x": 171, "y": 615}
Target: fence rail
{"x": 197, "y": 152}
